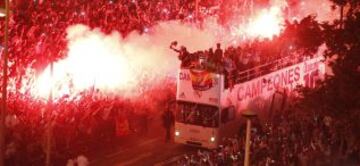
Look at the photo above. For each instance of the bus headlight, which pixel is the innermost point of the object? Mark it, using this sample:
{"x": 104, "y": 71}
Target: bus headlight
{"x": 212, "y": 139}
{"x": 177, "y": 133}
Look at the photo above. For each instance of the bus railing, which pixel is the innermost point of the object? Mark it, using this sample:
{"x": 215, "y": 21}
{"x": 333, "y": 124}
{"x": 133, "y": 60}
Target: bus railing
{"x": 259, "y": 70}
{"x": 264, "y": 69}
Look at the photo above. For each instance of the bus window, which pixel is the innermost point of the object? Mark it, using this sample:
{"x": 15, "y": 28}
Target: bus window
{"x": 197, "y": 114}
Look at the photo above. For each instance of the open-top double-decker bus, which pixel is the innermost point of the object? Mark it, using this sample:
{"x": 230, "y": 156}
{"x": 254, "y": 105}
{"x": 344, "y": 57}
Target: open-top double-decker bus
{"x": 208, "y": 109}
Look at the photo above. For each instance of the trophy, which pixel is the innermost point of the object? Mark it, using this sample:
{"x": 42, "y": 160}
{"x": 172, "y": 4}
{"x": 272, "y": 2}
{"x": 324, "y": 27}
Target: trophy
{"x": 173, "y": 44}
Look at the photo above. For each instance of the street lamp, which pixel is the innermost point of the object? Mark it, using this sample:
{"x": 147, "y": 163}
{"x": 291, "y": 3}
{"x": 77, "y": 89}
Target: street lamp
{"x": 248, "y": 115}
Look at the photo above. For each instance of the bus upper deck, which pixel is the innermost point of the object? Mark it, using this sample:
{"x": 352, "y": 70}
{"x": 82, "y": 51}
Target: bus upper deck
{"x": 204, "y": 97}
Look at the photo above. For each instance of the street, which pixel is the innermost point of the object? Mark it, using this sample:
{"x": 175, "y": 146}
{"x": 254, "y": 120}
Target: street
{"x": 135, "y": 149}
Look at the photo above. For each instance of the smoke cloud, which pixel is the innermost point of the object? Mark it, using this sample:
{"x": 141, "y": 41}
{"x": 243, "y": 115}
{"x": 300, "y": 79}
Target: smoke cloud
{"x": 321, "y": 8}
{"x": 119, "y": 65}
{"x": 129, "y": 65}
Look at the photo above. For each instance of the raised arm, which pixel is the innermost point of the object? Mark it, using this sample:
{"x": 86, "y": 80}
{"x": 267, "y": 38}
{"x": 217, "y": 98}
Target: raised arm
{"x": 174, "y": 43}
{"x": 176, "y": 50}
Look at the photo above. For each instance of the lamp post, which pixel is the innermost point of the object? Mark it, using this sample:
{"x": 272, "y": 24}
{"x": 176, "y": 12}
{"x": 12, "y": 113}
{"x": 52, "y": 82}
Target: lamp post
{"x": 248, "y": 115}
{"x": 4, "y": 13}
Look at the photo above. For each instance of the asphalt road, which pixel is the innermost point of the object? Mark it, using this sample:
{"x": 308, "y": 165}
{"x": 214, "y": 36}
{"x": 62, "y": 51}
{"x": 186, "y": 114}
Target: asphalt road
{"x": 140, "y": 150}
{"x": 149, "y": 152}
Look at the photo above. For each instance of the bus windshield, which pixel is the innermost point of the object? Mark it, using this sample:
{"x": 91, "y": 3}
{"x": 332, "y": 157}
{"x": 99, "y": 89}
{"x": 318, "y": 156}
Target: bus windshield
{"x": 197, "y": 114}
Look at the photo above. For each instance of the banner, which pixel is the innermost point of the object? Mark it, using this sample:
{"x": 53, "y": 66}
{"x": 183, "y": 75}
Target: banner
{"x": 199, "y": 86}
{"x": 287, "y": 79}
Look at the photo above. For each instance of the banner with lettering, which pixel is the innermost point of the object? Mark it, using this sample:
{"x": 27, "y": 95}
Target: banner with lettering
{"x": 261, "y": 89}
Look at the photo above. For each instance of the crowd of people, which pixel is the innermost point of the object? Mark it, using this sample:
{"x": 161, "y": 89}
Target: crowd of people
{"x": 240, "y": 58}
{"x": 38, "y": 36}
{"x": 38, "y": 28}
{"x": 91, "y": 121}
{"x": 294, "y": 137}
{"x": 256, "y": 58}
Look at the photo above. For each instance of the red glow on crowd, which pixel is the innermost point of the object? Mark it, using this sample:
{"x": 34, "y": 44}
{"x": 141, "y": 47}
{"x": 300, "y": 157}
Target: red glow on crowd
{"x": 94, "y": 62}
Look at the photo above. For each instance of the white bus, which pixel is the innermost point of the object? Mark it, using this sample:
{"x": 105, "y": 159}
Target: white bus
{"x": 207, "y": 110}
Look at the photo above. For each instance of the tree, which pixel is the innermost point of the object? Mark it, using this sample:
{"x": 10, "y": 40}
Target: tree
{"x": 343, "y": 45}
{"x": 339, "y": 94}
{"x": 353, "y": 5}
{"x": 308, "y": 36}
